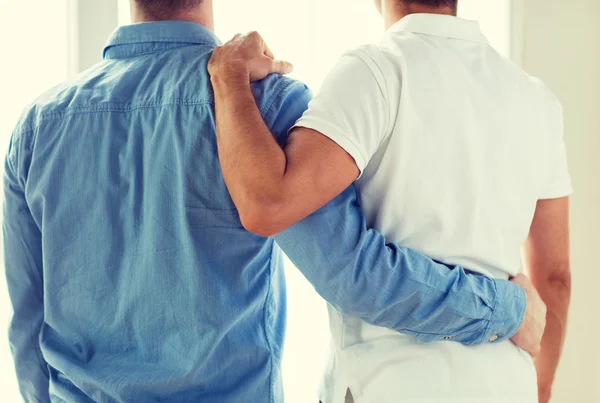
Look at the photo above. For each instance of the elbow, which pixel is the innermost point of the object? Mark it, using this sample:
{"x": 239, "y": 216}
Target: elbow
{"x": 260, "y": 217}
{"x": 557, "y": 277}
{"x": 258, "y": 224}
{"x": 561, "y": 277}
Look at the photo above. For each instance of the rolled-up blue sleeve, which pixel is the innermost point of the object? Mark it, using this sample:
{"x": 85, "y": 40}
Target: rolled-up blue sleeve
{"x": 358, "y": 273}
{"x": 23, "y": 266}
{"x": 384, "y": 284}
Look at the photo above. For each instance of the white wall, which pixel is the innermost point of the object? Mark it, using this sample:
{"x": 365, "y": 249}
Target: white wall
{"x": 90, "y": 24}
{"x": 34, "y": 58}
{"x": 561, "y": 45}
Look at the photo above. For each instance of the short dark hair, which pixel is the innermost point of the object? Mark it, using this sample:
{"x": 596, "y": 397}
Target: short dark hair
{"x": 166, "y": 9}
{"x": 434, "y": 3}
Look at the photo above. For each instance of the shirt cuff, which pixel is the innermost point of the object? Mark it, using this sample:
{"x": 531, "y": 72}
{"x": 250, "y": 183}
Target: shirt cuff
{"x": 508, "y": 313}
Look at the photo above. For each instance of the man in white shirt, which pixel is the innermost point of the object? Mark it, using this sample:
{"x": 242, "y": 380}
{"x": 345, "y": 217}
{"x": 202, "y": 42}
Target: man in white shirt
{"x": 458, "y": 153}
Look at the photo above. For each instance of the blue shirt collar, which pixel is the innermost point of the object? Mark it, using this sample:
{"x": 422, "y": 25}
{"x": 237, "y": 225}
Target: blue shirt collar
{"x": 150, "y": 37}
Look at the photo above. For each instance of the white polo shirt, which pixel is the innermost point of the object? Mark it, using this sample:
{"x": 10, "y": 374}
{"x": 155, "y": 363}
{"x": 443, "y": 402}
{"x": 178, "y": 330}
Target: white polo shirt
{"x": 456, "y": 145}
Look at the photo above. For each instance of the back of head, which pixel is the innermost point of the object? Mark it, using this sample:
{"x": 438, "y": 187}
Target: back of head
{"x": 161, "y": 10}
{"x": 451, "y": 4}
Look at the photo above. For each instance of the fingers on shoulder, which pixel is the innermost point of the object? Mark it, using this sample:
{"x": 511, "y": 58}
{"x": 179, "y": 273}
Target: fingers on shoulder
{"x": 254, "y": 35}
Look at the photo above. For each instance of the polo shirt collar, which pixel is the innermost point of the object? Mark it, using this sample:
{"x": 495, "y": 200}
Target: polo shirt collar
{"x": 446, "y": 26}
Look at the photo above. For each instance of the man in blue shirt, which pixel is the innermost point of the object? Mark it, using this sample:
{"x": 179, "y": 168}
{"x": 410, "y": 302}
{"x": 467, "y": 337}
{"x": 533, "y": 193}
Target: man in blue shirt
{"x": 131, "y": 276}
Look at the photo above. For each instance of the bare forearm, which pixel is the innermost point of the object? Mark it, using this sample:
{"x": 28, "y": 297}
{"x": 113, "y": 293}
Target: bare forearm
{"x": 272, "y": 188}
{"x": 556, "y": 293}
{"x": 253, "y": 164}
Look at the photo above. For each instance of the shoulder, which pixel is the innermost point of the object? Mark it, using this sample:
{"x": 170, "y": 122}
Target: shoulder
{"x": 533, "y": 87}
{"x": 281, "y": 101}
{"x": 276, "y": 89}
{"x": 546, "y": 97}
{"x": 363, "y": 73}
{"x": 378, "y": 61}
{"x": 371, "y": 54}
{"x": 367, "y": 60}
{"x": 48, "y": 106}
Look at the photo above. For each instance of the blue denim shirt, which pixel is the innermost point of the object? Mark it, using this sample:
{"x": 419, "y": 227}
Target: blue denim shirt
{"x": 131, "y": 277}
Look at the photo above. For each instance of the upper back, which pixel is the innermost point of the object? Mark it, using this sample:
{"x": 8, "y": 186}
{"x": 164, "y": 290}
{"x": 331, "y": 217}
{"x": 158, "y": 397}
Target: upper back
{"x": 125, "y": 136}
{"x": 474, "y": 144}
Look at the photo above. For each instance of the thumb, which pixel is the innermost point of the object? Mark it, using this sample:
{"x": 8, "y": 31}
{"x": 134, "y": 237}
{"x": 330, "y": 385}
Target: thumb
{"x": 281, "y": 67}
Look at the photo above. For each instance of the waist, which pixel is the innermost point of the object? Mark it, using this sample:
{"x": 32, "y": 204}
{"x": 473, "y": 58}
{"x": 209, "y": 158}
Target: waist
{"x": 170, "y": 374}
{"x": 381, "y": 365}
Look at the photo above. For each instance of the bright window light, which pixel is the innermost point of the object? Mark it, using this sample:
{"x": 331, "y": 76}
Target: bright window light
{"x": 124, "y": 12}
{"x": 36, "y": 60}
{"x": 312, "y": 34}
{"x": 494, "y": 17}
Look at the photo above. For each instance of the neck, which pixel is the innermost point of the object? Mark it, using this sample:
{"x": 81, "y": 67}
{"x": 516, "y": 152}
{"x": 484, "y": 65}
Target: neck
{"x": 394, "y": 10}
{"x": 202, "y": 14}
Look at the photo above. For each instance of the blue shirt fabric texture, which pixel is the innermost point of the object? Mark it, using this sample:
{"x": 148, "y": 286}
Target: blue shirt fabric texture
{"x": 130, "y": 274}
